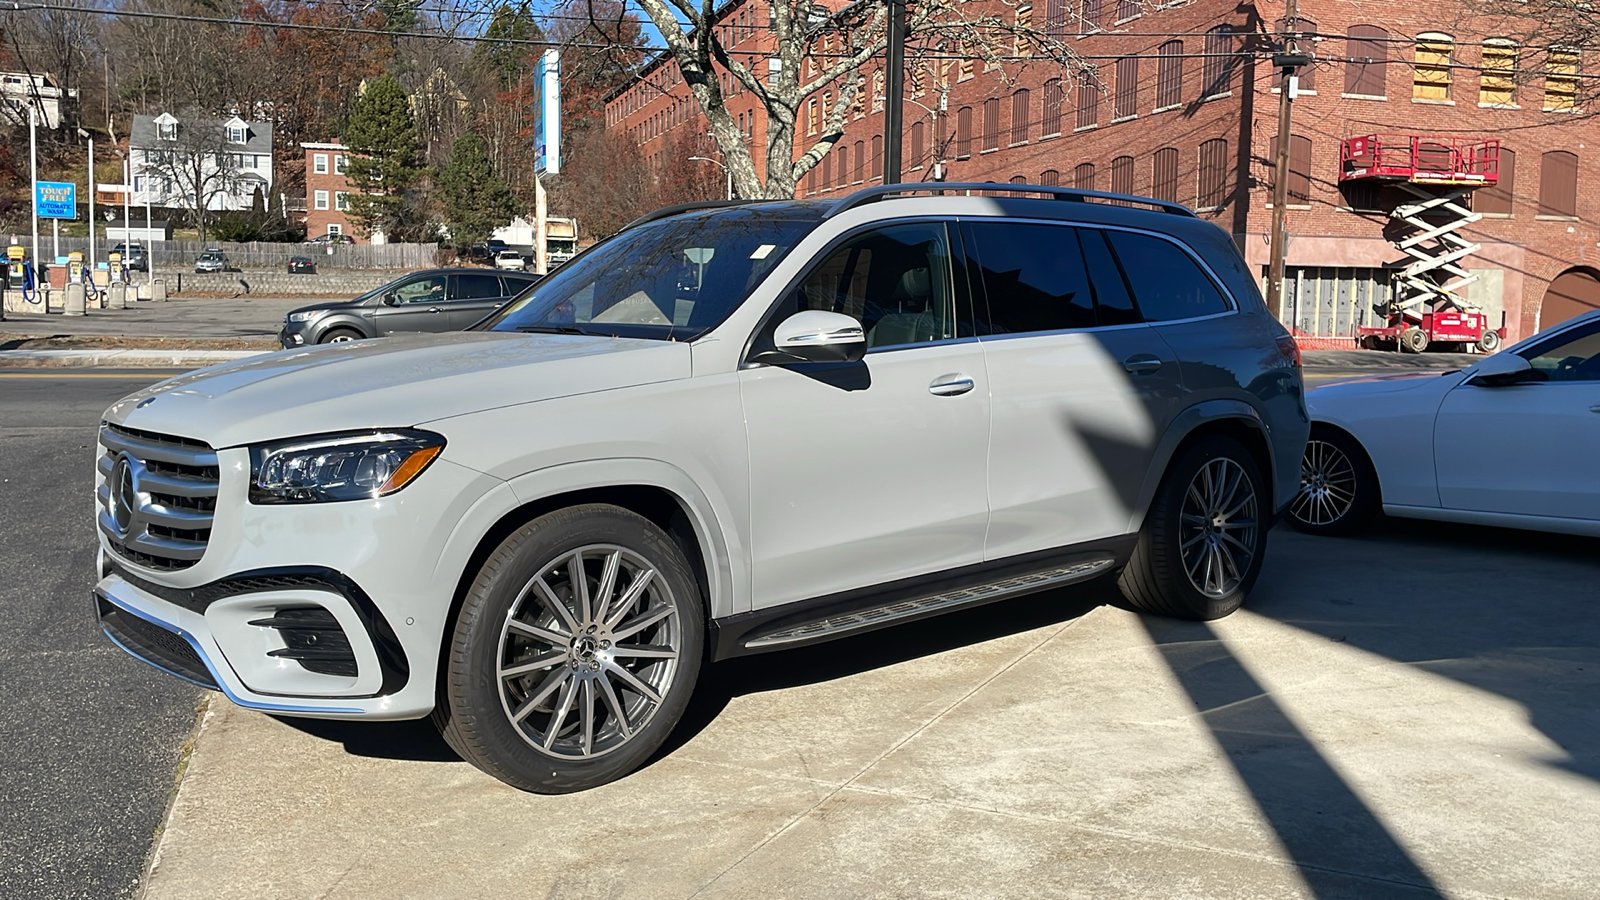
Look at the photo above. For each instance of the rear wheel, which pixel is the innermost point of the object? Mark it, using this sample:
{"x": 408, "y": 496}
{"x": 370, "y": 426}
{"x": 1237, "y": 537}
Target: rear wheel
{"x": 1489, "y": 341}
{"x": 1200, "y": 550}
{"x": 575, "y": 651}
{"x": 1414, "y": 339}
{"x": 1339, "y": 491}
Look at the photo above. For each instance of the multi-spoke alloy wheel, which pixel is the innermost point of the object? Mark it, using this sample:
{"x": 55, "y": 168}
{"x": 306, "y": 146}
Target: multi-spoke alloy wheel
{"x": 575, "y": 651}
{"x": 1200, "y": 549}
{"x": 1218, "y": 526}
{"x": 1338, "y": 486}
{"x": 1327, "y": 485}
{"x": 587, "y": 651}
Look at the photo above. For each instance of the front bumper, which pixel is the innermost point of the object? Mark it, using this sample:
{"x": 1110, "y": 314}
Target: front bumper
{"x": 295, "y": 334}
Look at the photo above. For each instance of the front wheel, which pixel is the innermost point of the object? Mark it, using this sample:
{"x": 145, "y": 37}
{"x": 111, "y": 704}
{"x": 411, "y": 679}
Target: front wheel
{"x": 575, "y": 651}
{"x": 339, "y": 336}
{"x": 1204, "y": 537}
{"x": 1489, "y": 341}
{"x": 1339, "y": 491}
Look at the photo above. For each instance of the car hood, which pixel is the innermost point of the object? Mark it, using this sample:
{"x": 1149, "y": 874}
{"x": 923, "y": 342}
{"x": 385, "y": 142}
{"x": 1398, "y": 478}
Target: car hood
{"x": 1356, "y": 393}
{"x": 329, "y": 306}
{"x": 392, "y": 382}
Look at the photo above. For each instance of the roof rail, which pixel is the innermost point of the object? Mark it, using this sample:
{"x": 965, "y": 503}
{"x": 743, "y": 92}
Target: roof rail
{"x": 691, "y": 206}
{"x": 873, "y": 194}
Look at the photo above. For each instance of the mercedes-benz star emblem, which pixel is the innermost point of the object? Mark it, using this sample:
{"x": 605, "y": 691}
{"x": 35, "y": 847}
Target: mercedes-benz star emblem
{"x": 124, "y": 494}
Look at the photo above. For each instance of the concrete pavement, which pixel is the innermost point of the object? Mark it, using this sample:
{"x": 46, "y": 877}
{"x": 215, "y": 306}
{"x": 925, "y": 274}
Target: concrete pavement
{"x": 1408, "y": 714}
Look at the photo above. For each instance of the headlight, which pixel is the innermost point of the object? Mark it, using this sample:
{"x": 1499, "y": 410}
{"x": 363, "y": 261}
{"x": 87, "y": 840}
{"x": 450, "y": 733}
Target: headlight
{"x": 304, "y": 316}
{"x": 358, "y": 466}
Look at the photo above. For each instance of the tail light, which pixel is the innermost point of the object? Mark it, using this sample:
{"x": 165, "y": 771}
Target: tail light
{"x": 1289, "y": 350}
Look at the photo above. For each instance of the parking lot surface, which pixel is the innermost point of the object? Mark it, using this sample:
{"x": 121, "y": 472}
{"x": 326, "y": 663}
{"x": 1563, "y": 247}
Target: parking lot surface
{"x": 1409, "y": 714}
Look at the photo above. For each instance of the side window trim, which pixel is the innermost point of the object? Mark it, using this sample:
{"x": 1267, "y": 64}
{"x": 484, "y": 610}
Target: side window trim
{"x": 1227, "y": 296}
{"x": 769, "y": 319}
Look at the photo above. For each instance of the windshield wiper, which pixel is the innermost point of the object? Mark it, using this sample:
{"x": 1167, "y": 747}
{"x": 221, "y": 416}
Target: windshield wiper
{"x": 552, "y": 329}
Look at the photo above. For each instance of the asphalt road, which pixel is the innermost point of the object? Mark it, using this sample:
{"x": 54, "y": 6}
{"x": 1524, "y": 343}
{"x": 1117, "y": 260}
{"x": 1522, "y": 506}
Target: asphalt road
{"x": 90, "y": 738}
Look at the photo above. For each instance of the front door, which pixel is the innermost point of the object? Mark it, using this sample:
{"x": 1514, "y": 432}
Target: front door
{"x": 868, "y": 472}
{"x": 420, "y": 304}
{"x": 1527, "y": 449}
{"x": 1083, "y": 388}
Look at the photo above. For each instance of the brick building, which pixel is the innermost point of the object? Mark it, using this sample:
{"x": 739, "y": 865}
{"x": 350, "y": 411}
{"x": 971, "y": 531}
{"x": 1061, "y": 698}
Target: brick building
{"x": 326, "y": 191}
{"x": 1183, "y": 106}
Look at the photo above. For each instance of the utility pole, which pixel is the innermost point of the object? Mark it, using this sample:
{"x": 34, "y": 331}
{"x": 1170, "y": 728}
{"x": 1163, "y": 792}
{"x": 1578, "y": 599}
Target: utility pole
{"x": 894, "y": 89}
{"x": 1288, "y": 61}
{"x": 33, "y": 168}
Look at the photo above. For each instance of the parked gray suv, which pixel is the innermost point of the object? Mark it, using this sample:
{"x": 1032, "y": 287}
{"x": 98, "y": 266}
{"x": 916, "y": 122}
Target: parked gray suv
{"x": 428, "y": 301}
{"x": 726, "y": 430}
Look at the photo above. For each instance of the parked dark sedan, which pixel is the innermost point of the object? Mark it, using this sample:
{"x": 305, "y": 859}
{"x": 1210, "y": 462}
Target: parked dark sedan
{"x": 430, "y": 300}
{"x": 302, "y": 265}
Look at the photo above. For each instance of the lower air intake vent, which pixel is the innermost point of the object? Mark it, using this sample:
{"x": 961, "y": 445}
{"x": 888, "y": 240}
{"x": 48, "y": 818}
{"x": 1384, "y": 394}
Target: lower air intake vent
{"x": 153, "y": 644}
{"x": 312, "y": 637}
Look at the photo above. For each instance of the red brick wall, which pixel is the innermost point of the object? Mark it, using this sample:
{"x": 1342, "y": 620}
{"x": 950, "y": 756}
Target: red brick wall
{"x": 317, "y": 220}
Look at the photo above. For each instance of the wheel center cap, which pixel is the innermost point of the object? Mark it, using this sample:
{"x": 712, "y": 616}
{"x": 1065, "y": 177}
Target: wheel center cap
{"x": 584, "y": 647}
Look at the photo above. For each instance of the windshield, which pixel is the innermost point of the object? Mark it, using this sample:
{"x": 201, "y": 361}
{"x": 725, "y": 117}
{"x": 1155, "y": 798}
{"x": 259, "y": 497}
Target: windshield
{"x": 674, "y": 279}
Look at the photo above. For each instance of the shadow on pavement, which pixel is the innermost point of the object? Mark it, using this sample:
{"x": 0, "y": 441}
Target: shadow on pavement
{"x": 417, "y": 740}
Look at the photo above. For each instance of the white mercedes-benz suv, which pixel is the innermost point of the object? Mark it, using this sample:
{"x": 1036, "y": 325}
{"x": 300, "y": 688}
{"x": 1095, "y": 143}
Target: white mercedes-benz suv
{"x": 728, "y": 429}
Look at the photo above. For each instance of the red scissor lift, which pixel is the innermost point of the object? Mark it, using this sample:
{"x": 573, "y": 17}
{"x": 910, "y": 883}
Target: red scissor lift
{"x": 1426, "y": 305}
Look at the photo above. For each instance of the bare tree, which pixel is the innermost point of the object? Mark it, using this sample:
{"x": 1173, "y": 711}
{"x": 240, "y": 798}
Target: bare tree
{"x": 193, "y": 170}
{"x": 822, "y": 53}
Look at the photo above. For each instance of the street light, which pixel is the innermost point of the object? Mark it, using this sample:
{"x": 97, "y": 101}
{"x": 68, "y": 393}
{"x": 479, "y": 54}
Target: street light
{"x": 719, "y": 165}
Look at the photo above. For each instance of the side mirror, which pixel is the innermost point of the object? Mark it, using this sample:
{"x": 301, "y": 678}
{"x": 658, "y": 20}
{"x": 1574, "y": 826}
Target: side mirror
{"x": 1503, "y": 369}
{"x": 389, "y": 299}
{"x": 819, "y": 336}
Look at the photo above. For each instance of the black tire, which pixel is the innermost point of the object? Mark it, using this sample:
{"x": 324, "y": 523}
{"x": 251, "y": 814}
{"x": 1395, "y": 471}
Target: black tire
{"x": 1489, "y": 341}
{"x": 1158, "y": 579}
{"x": 340, "y": 335}
{"x": 1339, "y": 490}
{"x": 1413, "y": 340}
{"x": 475, "y": 711}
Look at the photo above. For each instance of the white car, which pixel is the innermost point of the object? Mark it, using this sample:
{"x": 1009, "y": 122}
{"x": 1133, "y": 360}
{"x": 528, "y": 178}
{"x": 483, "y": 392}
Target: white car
{"x": 1509, "y": 441}
{"x": 510, "y": 259}
{"x": 722, "y": 431}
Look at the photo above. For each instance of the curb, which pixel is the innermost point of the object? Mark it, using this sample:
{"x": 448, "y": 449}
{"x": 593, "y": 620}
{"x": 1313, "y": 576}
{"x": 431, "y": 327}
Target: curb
{"x": 128, "y": 357}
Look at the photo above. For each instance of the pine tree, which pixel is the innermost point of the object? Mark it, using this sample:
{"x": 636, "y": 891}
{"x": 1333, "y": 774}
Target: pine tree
{"x": 385, "y": 164}
{"x": 476, "y": 199}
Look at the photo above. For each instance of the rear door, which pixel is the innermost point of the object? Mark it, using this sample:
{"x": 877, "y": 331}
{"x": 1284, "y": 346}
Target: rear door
{"x": 474, "y": 295}
{"x": 1082, "y": 389}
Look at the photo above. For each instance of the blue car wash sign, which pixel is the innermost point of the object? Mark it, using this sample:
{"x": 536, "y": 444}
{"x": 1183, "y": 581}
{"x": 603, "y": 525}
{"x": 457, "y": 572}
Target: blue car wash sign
{"x": 56, "y": 199}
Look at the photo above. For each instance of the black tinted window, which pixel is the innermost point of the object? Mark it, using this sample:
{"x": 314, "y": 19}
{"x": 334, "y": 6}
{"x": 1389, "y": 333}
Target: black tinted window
{"x": 1167, "y": 283}
{"x": 1576, "y": 357}
{"x": 1114, "y": 305}
{"x": 476, "y": 287}
{"x": 1033, "y": 276}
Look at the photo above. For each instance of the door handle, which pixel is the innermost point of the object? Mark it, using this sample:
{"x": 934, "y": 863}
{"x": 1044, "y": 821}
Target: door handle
{"x": 434, "y": 309}
{"x": 1142, "y": 364}
{"x": 1595, "y": 408}
{"x": 950, "y": 385}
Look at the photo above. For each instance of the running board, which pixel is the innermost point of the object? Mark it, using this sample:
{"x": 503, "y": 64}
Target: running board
{"x": 875, "y": 617}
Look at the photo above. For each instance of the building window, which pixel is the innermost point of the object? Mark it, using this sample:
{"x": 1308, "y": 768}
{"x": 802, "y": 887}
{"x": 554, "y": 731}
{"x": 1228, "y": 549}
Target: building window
{"x": 1497, "y": 85}
{"x": 1496, "y": 199}
{"x": 811, "y": 116}
{"x": 1299, "y": 169}
{"x": 1091, "y": 16}
{"x": 1083, "y": 177}
{"x": 321, "y": 200}
{"x": 964, "y": 70}
{"x": 319, "y": 163}
{"x": 167, "y": 131}
{"x": 1122, "y": 175}
{"x": 1050, "y": 178}
{"x": 1431, "y": 80}
{"x": 963, "y": 132}
{"x": 1213, "y": 174}
{"x": 236, "y": 134}
{"x": 1050, "y": 116}
{"x": 1088, "y": 103}
{"x": 1558, "y": 184}
{"x": 1561, "y": 80}
{"x": 1055, "y": 18}
{"x": 916, "y": 144}
{"x": 341, "y": 201}
{"x": 335, "y": 228}
{"x": 1126, "y": 104}
{"x": 877, "y": 156}
{"x": 1219, "y": 62}
{"x": 811, "y": 181}
{"x": 860, "y": 171}
{"x": 827, "y": 171}
{"x": 339, "y": 163}
{"x": 1019, "y": 44}
{"x": 1127, "y": 9}
{"x": 991, "y": 123}
{"x": 1164, "y": 181}
{"x": 1019, "y": 179}
{"x": 1169, "y": 75}
{"x": 1366, "y": 61}
{"x": 1020, "y": 112}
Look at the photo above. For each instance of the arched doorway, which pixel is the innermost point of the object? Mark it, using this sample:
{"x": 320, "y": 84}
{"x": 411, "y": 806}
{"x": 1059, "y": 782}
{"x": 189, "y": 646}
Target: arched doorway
{"x": 1573, "y": 293}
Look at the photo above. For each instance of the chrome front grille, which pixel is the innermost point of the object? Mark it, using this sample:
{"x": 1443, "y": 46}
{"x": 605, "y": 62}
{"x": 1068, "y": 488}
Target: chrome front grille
{"x": 157, "y": 496}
